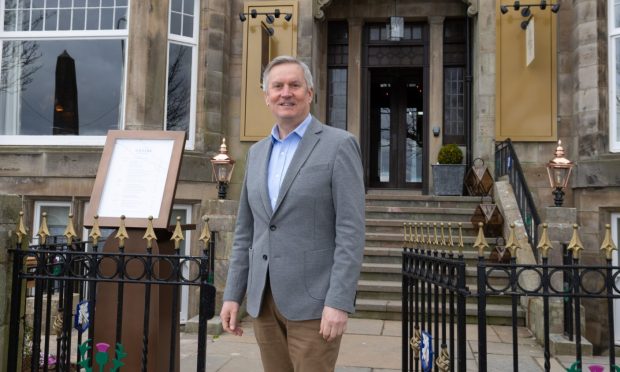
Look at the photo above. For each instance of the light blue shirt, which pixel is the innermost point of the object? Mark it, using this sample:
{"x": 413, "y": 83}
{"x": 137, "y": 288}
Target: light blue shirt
{"x": 282, "y": 152}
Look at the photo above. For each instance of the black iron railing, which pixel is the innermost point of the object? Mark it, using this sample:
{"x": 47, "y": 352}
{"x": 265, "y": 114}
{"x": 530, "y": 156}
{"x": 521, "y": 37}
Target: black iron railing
{"x": 63, "y": 272}
{"x": 507, "y": 163}
{"x": 430, "y": 267}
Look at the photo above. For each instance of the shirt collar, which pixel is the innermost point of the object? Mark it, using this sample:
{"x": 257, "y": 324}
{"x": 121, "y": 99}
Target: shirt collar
{"x": 300, "y": 130}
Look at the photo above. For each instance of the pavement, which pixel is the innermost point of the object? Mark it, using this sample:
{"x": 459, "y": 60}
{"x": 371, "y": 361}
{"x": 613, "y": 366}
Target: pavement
{"x": 371, "y": 345}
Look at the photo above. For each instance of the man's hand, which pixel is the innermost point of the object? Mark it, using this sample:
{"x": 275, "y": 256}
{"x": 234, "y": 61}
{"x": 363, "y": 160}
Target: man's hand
{"x": 229, "y": 318}
{"x": 333, "y": 323}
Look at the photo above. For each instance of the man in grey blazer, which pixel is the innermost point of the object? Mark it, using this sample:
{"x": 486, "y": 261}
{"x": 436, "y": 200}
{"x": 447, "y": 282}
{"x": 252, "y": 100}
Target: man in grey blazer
{"x": 299, "y": 238}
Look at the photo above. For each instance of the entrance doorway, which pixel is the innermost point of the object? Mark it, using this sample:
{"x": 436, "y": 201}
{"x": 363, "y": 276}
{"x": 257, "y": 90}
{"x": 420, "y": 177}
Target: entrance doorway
{"x": 397, "y": 127}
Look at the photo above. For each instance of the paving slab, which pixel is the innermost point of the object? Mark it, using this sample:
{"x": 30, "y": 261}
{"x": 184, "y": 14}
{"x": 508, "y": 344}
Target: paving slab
{"x": 365, "y": 326}
{"x": 370, "y": 351}
{"x": 392, "y": 328}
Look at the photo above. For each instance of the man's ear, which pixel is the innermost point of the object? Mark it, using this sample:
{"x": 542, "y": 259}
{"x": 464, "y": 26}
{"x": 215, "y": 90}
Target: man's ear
{"x": 310, "y": 94}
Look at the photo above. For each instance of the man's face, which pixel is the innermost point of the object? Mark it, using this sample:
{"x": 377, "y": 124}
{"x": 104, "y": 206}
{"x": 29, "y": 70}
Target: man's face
{"x": 288, "y": 96}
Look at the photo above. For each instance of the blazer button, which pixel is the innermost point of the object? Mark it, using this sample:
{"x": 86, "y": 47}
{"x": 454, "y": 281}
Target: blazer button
{"x": 272, "y": 227}
{"x": 265, "y": 257}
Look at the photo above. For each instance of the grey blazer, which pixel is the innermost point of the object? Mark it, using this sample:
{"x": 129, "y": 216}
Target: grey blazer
{"x": 312, "y": 243}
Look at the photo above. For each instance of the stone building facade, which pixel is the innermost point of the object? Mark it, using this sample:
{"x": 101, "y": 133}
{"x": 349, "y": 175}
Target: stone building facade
{"x": 449, "y": 55}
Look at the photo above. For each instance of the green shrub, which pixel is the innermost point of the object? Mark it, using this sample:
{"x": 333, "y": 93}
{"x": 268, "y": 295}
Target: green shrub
{"x": 450, "y": 154}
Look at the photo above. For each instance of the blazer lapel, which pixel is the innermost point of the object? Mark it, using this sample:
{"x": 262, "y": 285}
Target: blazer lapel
{"x": 264, "y": 155}
{"x": 304, "y": 150}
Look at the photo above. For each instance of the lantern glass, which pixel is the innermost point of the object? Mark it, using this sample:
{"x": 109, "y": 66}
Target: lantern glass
{"x": 222, "y": 171}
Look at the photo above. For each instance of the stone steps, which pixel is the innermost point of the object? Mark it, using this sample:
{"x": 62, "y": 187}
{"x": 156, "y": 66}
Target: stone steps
{"x": 379, "y": 289}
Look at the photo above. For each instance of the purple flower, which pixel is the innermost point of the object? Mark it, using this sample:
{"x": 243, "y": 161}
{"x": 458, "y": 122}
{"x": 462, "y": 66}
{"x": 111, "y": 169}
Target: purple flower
{"x": 102, "y": 347}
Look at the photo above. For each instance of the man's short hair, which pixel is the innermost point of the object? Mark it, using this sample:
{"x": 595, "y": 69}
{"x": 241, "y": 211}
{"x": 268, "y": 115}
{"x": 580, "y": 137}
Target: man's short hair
{"x": 280, "y": 60}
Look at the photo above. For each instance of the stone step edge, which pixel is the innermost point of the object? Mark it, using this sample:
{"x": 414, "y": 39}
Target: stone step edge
{"x": 394, "y": 306}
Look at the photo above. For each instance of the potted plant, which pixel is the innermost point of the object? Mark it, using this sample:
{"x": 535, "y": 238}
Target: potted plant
{"x": 449, "y": 172}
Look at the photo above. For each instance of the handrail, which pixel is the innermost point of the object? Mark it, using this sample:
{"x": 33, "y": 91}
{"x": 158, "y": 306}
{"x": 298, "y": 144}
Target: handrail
{"x": 507, "y": 163}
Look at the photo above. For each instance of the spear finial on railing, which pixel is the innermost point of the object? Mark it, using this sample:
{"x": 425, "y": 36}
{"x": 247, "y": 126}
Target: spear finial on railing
{"x": 575, "y": 245}
{"x": 544, "y": 245}
{"x": 149, "y": 234}
{"x": 70, "y": 230}
{"x": 422, "y": 236}
{"x": 481, "y": 242}
{"x": 513, "y": 243}
{"x": 608, "y": 245}
{"x": 121, "y": 234}
{"x": 177, "y": 236}
{"x": 416, "y": 238}
{"x": 21, "y": 231}
{"x": 44, "y": 232}
{"x": 205, "y": 234}
{"x": 436, "y": 238}
{"x": 95, "y": 232}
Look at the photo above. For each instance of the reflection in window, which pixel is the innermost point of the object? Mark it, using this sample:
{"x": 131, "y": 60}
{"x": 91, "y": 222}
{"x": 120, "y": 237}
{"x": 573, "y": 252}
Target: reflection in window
{"x": 60, "y": 87}
{"x": 179, "y": 87}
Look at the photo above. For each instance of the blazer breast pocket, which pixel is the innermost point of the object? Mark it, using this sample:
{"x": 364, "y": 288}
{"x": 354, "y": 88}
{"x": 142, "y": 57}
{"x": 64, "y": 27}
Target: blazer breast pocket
{"x": 315, "y": 168}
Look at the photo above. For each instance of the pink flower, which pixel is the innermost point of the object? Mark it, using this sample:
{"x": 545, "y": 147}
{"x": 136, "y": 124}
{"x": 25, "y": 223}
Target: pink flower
{"x": 102, "y": 347}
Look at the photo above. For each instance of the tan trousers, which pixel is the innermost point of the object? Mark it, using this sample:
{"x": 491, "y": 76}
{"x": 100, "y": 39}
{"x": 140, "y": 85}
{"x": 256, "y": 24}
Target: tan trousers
{"x": 292, "y": 346}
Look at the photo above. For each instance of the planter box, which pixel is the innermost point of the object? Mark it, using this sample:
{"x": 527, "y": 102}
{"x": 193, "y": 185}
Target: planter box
{"x": 448, "y": 179}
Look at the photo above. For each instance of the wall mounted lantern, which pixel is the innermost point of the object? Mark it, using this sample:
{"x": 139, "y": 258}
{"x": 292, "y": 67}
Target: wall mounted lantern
{"x": 559, "y": 171}
{"x": 270, "y": 17}
{"x": 223, "y": 166}
{"x": 525, "y": 9}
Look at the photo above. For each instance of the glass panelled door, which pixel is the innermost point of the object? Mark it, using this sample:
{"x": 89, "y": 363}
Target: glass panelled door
{"x": 396, "y": 155}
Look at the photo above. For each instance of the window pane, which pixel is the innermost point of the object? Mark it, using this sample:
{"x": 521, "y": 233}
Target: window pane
{"x": 64, "y": 22}
{"x": 179, "y": 87}
{"x": 121, "y": 19}
{"x": 176, "y": 5}
{"x": 175, "y": 23}
{"x": 61, "y": 87}
{"x": 337, "y": 100}
{"x": 79, "y": 19}
{"x": 92, "y": 19}
{"x": 188, "y": 26}
{"x": 188, "y": 7}
{"x": 36, "y": 21}
{"x": 454, "y": 107}
{"x": 57, "y": 217}
{"x": 107, "y": 19}
{"x": 10, "y": 20}
{"x": 50, "y": 20}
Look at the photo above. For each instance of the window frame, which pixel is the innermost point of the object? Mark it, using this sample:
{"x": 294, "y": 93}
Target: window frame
{"x": 192, "y": 42}
{"x": 613, "y": 34}
{"x": 67, "y": 140}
